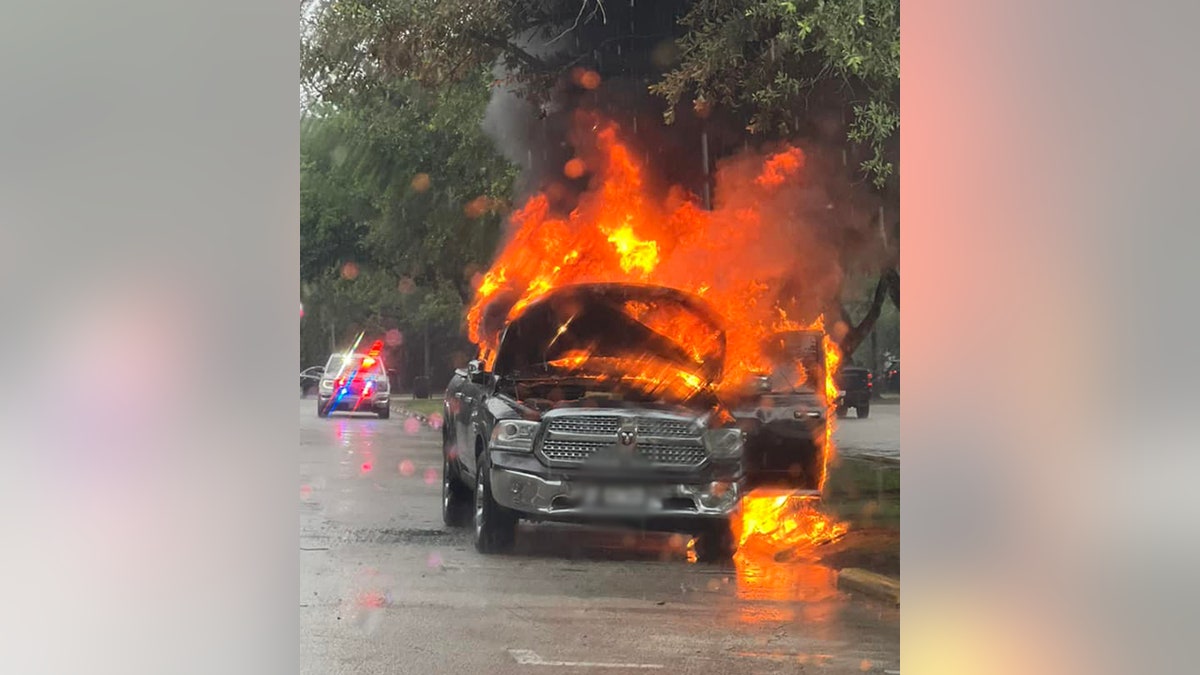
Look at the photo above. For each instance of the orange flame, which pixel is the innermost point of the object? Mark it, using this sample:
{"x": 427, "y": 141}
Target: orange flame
{"x": 635, "y": 253}
{"x": 771, "y": 521}
{"x": 777, "y": 169}
{"x": 622, "y": 230}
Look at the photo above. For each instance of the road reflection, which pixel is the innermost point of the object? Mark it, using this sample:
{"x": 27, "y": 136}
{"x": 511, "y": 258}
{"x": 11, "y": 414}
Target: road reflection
{"x": 774, "y": 592}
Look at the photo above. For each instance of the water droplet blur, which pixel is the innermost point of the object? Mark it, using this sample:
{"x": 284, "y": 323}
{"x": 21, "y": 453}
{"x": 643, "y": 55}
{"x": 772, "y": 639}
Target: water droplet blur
{"x": 407, "y": 468}
{"x": 431, "y": 476}
{"x": 393, "y": 338}
{"x": 665, "y": 54}
{"x": 350, "y": 271}
{"x": 421, "y": 182}
{"x": 435, "y": 559}
{"x": 435, "y": 421}
{"x": 590, "y": 79}
{"x": 366, "y": 467}
{"x": 411, "y": 425}
{"x": 574, "y": 168}
{"x": 477, "y": 207}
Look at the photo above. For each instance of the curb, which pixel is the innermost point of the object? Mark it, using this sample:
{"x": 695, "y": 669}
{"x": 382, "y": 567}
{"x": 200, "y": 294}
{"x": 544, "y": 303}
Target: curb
{"x": 401, "y": 410}
{"x": 869, "y": 583}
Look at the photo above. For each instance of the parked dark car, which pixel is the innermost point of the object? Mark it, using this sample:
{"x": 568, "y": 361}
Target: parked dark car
{"x": 590, "y": 414}
{"x": 892, "y": 378}
{"x": 783, "y": 415}
{"x": 855, "y": 387}
{"x": 420, "y": 387}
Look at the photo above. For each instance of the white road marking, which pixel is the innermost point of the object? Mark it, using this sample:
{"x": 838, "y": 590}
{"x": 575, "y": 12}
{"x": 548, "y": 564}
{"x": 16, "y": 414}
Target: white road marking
{"x": 528, "y": 657}
{"x": 891, "y": 672}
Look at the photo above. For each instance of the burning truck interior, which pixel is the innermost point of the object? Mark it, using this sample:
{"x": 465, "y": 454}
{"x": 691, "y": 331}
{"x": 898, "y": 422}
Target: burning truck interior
{"x": 600, "y": 344}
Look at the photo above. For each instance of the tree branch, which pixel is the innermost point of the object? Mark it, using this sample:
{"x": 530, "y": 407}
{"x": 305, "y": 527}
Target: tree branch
{"x": 508, "y": 48}
{"x": 855, "y": 336}
{"x": 893, "y": 278}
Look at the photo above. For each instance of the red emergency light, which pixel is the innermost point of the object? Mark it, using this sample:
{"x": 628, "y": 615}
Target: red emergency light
{"x": 376, "y": 348}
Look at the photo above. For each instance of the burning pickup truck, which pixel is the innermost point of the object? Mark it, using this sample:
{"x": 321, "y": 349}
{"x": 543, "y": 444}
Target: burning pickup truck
{"x": 592, "y": 412}
{"x": 785, "y": 415}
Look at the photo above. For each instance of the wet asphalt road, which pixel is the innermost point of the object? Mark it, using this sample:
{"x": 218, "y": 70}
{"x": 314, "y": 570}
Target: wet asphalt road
{"x": 385, "y": 588}
{"x": 877, "y": 436}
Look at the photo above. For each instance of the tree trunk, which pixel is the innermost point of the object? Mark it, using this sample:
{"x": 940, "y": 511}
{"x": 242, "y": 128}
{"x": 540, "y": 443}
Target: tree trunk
{"x": 893, "y": 278}
{"x": 855, "y": 336}
{"x": 426, "y": 372}
{"x": 875, "y": 369}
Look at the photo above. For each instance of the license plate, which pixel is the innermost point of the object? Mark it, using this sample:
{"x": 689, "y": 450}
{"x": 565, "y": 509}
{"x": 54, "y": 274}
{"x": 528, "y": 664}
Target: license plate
{"x": 615, "y": 497}
{"x": 624, "y": 497}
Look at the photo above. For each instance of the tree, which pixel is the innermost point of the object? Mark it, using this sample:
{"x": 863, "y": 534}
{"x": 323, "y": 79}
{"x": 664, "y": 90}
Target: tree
{"x": 777, "y": 66}
{"x": 775, "y": 59}
{"x": 779, "y": 62}
{"x": 402, "y": 198}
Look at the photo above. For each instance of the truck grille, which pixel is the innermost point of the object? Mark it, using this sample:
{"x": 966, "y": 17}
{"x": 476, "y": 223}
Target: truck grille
{"x": 663, "y": 441}
{"x": 658, "y": 428}
{"x": 676, "y": 455}
{"x": 586, "y": 424}
{"x": 570, "y": 451}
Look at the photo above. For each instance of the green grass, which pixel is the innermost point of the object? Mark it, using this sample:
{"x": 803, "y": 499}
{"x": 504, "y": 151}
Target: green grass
{"x": 865, "y": 493}
{"x": 426, "y": 406}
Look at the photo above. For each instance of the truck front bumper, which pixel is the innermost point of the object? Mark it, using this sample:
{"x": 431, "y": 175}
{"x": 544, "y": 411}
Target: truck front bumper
{"x": 584, "y": 500}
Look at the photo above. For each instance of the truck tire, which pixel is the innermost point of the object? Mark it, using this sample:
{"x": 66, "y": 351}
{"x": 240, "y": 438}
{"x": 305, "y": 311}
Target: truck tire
{"x": 863, "y": 411}
{"x": 322, "y": 411}
{"x": 495, "y": 526}
{"x": 456, "y": 497}
{"x": 715, "y": 543}
{"x": 385, "y": 412}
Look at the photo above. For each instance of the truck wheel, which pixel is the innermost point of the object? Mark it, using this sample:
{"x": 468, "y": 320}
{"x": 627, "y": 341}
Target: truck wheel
{"x": 456, "y": 498}
{"x": 715, "y": 543}
{"x": 322, "y": 411}
{"x": 863, "y": 411}
{"x": 385, "y": 412}
{"x": 495, "y": 526}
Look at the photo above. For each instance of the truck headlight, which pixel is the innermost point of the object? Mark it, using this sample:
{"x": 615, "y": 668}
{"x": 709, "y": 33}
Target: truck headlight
{"x": 724, "y": 443}
{"x": 514, "y": 435}
{"x": 326, "y": 385}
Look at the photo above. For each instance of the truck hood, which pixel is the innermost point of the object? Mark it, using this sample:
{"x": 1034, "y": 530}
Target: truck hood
{"x": 587, "y": 329}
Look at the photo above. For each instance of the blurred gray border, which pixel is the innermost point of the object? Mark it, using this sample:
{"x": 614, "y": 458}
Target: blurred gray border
{"x": 149, "y": 178}
{"x": 1050, "y": 427}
